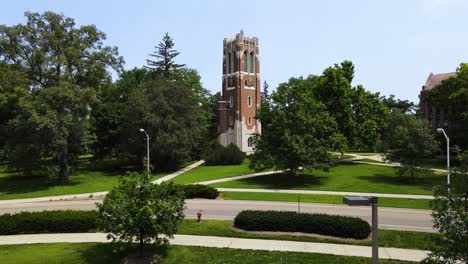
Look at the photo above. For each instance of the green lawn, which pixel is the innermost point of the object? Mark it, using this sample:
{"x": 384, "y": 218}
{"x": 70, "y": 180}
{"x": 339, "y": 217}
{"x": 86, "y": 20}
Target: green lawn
{"x": 318, "y": 198}
{"x": 387, "y": 238}
{"x": 206, "y": 173}
{"x": 344, "y": 177}
{"x": 13, "y": 186}
{"x": 80, "y": 253}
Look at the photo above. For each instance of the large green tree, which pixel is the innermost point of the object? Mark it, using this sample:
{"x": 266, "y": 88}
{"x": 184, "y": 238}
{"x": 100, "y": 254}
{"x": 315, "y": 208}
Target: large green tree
{"x": 64, "y": 65}
{"x": 408, "y": 140}
{"x": 299, "y": 132}
{"x": 403, "y": 106}
{"x": 360, "y": 114}
{"x": 452, "y": 96}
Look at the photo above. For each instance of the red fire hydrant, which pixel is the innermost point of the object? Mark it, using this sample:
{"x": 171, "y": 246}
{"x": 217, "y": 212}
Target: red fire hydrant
{"x": 199, "y": 215}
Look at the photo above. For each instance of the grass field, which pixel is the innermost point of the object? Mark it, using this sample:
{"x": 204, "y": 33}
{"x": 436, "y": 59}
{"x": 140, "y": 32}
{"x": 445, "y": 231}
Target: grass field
{"x": 206, "y": 173}
{"x": 318, "y": 198}
{"x": 387, "y": 238}
{"x": 90, "y": 253}
{"x": 344, "y": 177}
{"x": 13, "y": 186}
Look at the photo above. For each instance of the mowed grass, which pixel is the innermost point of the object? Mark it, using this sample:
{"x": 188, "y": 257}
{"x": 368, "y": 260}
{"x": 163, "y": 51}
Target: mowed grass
{"x": 86, "y": 180}
{"x": 319, "y": 198}
{"x": 96, "y": 253}
{"x": 387, "y": 238}
{"x": 207, "y": 173}
{"x": 349, "y": 177}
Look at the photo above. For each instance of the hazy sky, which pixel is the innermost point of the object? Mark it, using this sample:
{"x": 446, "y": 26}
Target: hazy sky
{"x": 393, "y": 44}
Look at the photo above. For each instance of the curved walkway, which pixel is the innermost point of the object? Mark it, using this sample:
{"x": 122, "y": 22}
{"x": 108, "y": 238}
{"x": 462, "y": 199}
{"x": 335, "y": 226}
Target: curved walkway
{"x": 235, "y": 243}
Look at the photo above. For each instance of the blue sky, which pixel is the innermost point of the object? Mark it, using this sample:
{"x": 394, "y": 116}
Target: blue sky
{"x": 393, "y": 44}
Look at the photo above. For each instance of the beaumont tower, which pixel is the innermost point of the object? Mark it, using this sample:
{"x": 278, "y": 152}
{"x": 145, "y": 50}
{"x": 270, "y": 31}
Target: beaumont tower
{"x": 240, "y": 99}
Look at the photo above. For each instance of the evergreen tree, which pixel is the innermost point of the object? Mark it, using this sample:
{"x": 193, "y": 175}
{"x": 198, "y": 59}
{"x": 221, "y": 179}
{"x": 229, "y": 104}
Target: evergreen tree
{"x": 165, "y": 55}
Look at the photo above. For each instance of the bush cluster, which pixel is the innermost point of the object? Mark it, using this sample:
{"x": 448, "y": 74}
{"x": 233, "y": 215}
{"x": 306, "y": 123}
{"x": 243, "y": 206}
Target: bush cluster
{"x": 217, "y": 154}
{"x": 322, "y": 224}
{"x": 199, "y": 191}
{"x": 48, "y": 222}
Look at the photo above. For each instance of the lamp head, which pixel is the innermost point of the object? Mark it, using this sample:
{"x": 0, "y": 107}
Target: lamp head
{"x": 142, "y": 130}
{"x": 440, "y": 130}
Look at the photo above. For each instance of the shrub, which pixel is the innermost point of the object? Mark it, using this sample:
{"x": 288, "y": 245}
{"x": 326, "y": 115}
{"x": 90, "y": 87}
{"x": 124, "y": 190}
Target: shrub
{"x": 199, "y": 191}
{"x": 329, "y": 225}
{"x": 217, "y": 154}
{"x": 47, "y": 222}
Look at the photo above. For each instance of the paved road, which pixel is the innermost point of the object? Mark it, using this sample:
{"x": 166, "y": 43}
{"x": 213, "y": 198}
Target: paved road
{"x": 389, "y": 218}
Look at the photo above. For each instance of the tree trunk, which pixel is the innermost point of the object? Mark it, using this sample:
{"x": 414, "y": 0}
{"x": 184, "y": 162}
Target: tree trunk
{"x": 141, "y": 245}
{"x": 64, "y": 166}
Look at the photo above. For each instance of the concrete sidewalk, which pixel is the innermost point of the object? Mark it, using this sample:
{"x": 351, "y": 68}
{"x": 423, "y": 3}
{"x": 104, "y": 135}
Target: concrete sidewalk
{"x": 177, "y": 173}
{"x": 386, "y": 195}
{"x": 235, "y": 243}
{"x": 238, "y": 177}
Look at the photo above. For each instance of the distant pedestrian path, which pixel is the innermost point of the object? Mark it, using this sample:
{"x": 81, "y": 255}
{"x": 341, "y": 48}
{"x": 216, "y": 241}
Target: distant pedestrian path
{"x": 177, "y": 173}
{"x": 230, "y": 242}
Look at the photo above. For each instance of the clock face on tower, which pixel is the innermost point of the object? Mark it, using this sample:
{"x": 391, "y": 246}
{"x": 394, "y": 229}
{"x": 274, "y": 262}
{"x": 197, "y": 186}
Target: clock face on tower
{"x": 240, "y": 96}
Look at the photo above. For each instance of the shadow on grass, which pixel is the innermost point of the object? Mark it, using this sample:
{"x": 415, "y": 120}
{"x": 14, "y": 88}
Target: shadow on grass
{"x": 424, "y": 182}
{"x": 114, "y": 253}
{"x": 285, "y": 181}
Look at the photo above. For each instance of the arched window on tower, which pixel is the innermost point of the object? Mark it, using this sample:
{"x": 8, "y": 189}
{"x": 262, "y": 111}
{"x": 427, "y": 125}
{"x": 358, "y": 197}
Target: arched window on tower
{"x": 250, "y": 142}
{"x": 245, "y": 61}
{"x": 249, "y": 101}
{"x": 231, "y": 102}
{"x": 229, "y": 61}
{"x": 252, "y": 59}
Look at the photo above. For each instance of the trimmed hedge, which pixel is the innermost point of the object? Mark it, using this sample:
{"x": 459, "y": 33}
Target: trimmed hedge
{"x": 322, "y": 224}
{"x": 48, "y": 222}
{"x": 199, "y": 191}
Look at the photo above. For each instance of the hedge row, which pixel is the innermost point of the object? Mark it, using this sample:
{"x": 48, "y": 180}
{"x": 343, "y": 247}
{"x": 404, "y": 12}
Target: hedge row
{"x": 48, "y": 222}
{"x": 322, "y": 224}
{"x": 199, "y": 191}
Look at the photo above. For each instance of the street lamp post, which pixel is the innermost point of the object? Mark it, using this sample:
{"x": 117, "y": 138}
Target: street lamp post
{"x": 441, "y": 130}
{"x": 366, "y": 201}
{"x": 147, "y": 150}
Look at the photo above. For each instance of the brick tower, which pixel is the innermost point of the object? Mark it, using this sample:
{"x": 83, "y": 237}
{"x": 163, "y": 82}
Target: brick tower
{"x": 240, "y": 98}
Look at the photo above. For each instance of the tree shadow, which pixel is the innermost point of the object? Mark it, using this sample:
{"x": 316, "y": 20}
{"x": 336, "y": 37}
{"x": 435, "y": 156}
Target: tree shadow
{"x": 284, "y": 181}
{"x": 114, "y": 253}
{"x": 423, "y": 182}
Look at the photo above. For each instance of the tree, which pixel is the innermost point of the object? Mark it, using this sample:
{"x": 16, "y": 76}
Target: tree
{"x": 64, "y": 65}
{"x": 404, "y": 106}
{"x": 452, "y": 96}
{"x": 450, "y": 214}
{"x": 165, "y": 54}
{"x": 300, "y": 132}
{"x": 407, "y": 140}
{"x": 139, "y": 210}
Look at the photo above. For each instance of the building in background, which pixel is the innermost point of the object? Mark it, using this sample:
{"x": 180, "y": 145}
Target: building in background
{"x": 436, "y": 116}
{"x": 240, "y": 99}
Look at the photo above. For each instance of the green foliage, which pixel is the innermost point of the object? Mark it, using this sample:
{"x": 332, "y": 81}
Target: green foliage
{"x": 191, "y": 191}
{"x": 64, "y": 64}
{"x": 216, "y": 154}
{"x": 329, "y": 225}
{"x": 165, "y": 55}
{"x": 142, "y": 211}
{"x": 298, "y": 131}
{"x": 453, "y": 92}
{"x": 402, "y": 106}
{"x": 408, "y": 140}
{"x": 450, "y": 214}
{"x": 47, "y": 222}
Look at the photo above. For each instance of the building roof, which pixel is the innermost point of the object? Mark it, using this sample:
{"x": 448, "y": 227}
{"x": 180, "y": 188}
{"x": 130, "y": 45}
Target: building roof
{"x": 435, "y": 79}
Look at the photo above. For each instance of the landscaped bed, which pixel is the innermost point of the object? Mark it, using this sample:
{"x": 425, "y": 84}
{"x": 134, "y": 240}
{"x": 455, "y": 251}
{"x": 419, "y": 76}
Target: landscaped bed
{"x": 83, "y": 221}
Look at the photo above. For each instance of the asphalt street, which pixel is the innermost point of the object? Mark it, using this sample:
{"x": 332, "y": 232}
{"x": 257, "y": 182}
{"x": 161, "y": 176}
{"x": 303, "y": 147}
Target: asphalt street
{"x": 389, "y": 218}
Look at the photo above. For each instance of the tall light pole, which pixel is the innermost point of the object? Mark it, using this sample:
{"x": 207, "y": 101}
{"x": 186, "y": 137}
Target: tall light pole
{"x": 441, "y": 130}
{"x": 147, "y": 150}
